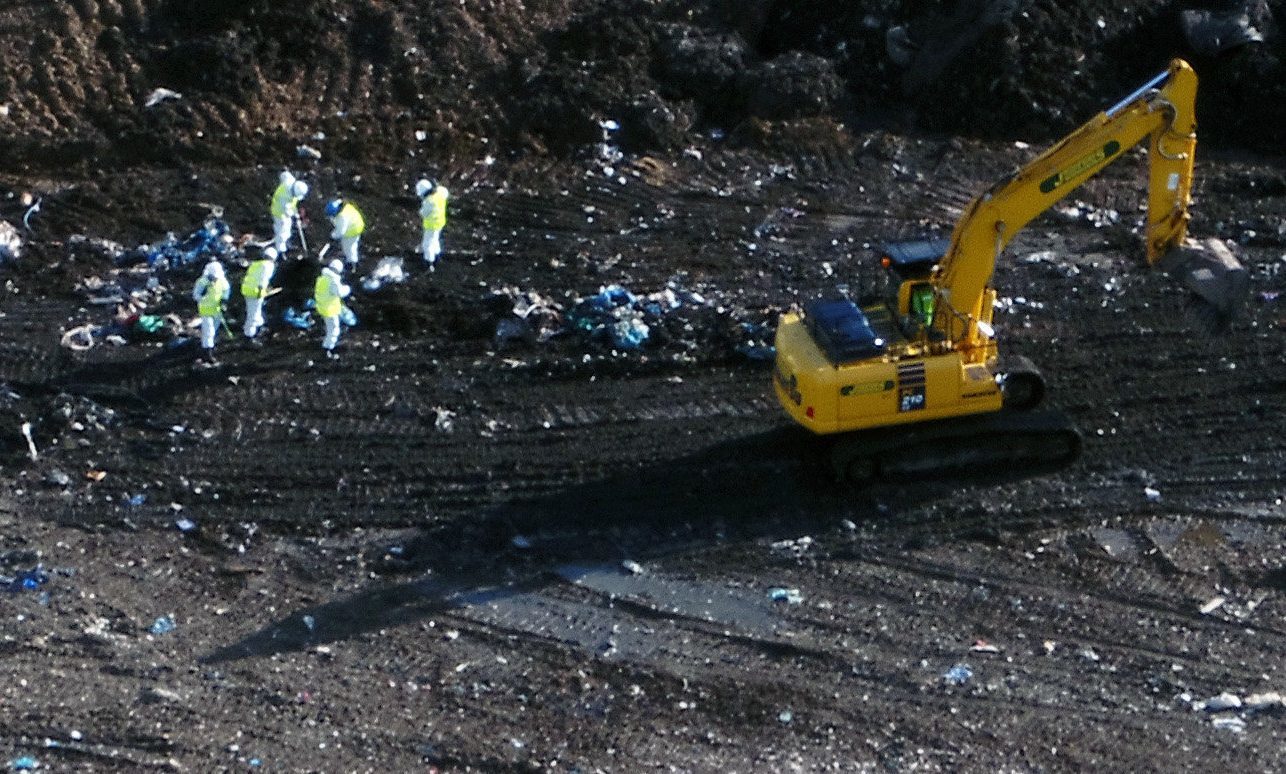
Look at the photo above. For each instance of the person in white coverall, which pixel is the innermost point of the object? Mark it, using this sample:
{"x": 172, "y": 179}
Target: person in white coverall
{"x": 210, "y": 291}
{"x": 254, "y": 288}
{"x": 348, "y": 226}
{"x": 433, "y": 217}
{"x": 329, "y": 293}
{"x": 285, "y": 209}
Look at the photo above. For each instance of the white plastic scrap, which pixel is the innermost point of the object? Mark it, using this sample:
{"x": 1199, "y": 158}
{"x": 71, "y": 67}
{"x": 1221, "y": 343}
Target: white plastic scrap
{"x": 388, "y": 270}
{"x": 442, "y": 423}
{"x": 1153, "y": 495}
{"x": 308, "y": 152}
{"x": 1221, "y": 703}
{"x": 31, "y": 445}
{"x": 1233, "y": 724}
{"x": 159, "y": 95}
{"x": 10, "y": 242}
{"x": 1213, "y": 605}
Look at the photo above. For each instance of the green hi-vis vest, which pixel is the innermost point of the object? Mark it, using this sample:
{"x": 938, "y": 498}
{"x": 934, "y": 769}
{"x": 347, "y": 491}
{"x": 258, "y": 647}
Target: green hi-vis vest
{"x": 211, "y": 303}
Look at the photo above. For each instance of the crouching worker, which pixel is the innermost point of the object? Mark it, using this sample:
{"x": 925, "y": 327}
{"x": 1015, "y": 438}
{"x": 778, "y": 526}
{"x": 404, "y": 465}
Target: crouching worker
{"x": 210, "y": 292}
{"x": 329, "y": 293}
{"x": 254, "y": 288}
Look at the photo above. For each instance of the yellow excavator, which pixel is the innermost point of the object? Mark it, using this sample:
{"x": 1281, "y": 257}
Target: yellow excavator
{"x": 914, "y": 381}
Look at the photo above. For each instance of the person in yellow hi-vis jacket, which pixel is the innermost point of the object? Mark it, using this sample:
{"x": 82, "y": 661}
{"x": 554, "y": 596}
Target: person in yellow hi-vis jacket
{"x": 285, "y": 209}
{"x": 348, "y": 227}
{"x": 210, "y": 291}
{"x": 329, "y": 292}
{"x": 433, "y": 217}
{"x": 254, "y": 288}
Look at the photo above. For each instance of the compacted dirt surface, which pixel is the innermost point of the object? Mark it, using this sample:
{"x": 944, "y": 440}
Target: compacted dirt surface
{"x": 490, "y": 537}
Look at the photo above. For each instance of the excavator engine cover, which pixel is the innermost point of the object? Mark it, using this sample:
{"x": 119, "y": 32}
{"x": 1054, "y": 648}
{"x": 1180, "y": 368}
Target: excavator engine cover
{"x": 1209, "y": 269}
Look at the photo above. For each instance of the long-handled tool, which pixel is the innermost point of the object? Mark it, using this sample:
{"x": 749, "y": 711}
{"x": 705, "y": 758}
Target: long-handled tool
{"x": 303, "y": 241}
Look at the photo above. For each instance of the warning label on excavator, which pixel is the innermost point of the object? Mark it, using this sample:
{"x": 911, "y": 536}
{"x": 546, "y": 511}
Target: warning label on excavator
{"x": 1081, "y": 165}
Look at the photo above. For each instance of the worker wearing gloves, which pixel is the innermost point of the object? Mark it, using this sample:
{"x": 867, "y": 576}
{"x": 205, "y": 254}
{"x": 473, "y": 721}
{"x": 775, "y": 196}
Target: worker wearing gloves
{"x": 254, "y": 288}
{"x": 285, "y": 209}
{"x": 329, "y": 293}
{"x": 433, "y": 216}
{"x": 348, "y": 226}
{"x": 210, "y": 292}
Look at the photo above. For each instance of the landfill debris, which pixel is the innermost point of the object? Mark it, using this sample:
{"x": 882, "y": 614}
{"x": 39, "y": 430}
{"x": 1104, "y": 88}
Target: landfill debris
{"x": 95, "y": 475}
{"x": 443, "y": 421}
{"x": 31, "y": 210}
{"x": 297, "y": 319}
{"x": 163, "y": 625}
{"x": 212, "y": 241}
{"x": 785, "y": 716}
{"x": 632, "y": 567}
{"x": 789, "y": 596}
{"x": 24, "y": 763}
{"x": 1221, "y": 703}
{"x": 796, "y": 548}
{"x": 310, "y": 623}
{"x": 1233, "y": 724}
{"x": 1264, "y": 702}
{"x": 1152, "y": 495}
{"x": 958, "y": 674}
{"x": 1210, "y": 32}
{"x": 308, "y": 152}
{"x": 520, "y": 541}
{"x": 31, "y": 445}
{"x": 10, "y": 242}
{"x": 160, "y": 95}
{"x": 135, "y": 500}
{"x": 1214, "y": 604}
{"x": 27, "y": 580}
{"x": 982, "y": 646}
{"x": 58, "y": 478}
{"x": 387, "y": 271}
{"x": 1089, "y": 654}
{"x": 185, "y": 525}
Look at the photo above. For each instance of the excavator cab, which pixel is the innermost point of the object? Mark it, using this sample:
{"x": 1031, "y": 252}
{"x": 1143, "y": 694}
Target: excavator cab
{"x": 910, "y": 264}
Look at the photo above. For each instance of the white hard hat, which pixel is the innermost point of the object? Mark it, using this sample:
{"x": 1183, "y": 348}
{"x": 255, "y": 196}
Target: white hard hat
{"x": 423, "y": 187}
{"x": 299, "y": 189}
{"x": 270, "y": 253}
{"x": 214, "y": 269}
{"x": 336, "y": 266}
{"x": 285, "y": 177}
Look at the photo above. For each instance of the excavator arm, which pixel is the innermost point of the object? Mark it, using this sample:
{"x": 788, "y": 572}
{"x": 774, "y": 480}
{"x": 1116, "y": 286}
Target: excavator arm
{"x": 1161, "y": 111}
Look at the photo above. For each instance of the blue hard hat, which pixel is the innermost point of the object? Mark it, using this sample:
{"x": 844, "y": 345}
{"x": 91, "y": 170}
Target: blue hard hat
{"x": 332, "y": 207}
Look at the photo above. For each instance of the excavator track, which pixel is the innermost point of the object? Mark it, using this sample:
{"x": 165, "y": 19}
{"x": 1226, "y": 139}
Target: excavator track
{"x": 1005, "y": 440}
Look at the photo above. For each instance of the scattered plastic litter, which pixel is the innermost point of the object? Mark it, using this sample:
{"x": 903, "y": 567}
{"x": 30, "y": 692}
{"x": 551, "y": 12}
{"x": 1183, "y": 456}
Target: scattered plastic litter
{"x": 1209, "y": 32}
{"x": 958, "y": 674}
{"x": 24, "y": 763}
{"x": 1233, "y": 724}
{"x": 212, "y": 241}
{"x": 387, "y": 271}
{"x": 160, "y": 95}
{"x": 310, "y": 623}
{"x": 982, "y": 646}
{"x": 308, "y": 152}
{"x": 1152, "y": 495}
{"x": 1221, "y": 703}
{"x": 10, "y": 242}
{"x": 789, "y": 596}
{"x": 785, "y": 716}
{"x": 185, "y": 525}
{"x": 163, "y": 625}
{"x": 294, "y": 318}
{"x": 520, "y": 541}
{"x": 28, "y": 580}
{"x": 632, "y": 567}
{"x": 136, "y": 500}
{"x": 443, "y": 422}
{"x": 25, "y": 429}
{"x": 1214, "y": 604}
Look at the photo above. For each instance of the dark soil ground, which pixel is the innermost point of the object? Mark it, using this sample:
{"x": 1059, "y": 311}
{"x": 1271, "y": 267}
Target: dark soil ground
{"x": 446, "y": 551}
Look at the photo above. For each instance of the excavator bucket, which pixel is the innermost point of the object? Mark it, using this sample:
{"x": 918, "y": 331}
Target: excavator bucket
{"x": 1213, "y": 274}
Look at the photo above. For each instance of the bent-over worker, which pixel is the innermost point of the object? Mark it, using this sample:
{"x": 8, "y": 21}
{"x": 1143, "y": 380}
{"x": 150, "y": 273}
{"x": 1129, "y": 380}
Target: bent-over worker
{"x": 348, "y": 226}
{"x": 285, "y": 209}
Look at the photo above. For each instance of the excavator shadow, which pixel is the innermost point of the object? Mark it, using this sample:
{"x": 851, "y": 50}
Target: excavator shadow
{"x": 762, "y": 487}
